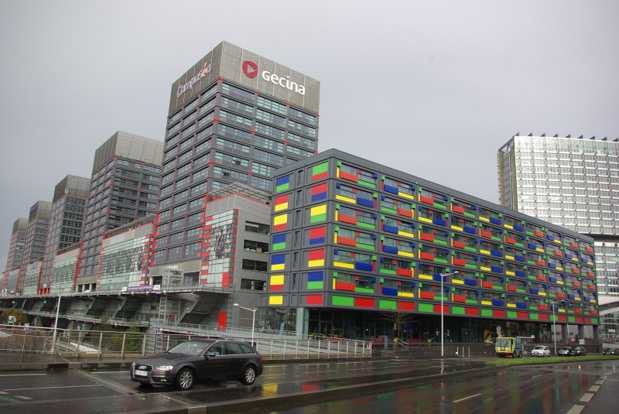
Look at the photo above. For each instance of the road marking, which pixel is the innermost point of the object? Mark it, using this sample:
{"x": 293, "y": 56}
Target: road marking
{"x": 576, "y": 409}
{"x": 50, "y": 388}
{"x": 587, "y": 397}
{"x": 9, "y": 399}
{"x": 466, "y": 398}
{"x": 599, "y": 382}
{"x": 22, "y": 397}
{"x": 536, "y": 376}
{"x": 594, "y": 388}
{"x": 22, "y": 375}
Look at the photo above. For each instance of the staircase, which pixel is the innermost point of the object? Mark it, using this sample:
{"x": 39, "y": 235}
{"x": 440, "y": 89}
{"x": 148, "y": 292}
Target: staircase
{"x": 202, "y": 305}
{"x": 98, "y": 306}
{"x": 128, "y": 307}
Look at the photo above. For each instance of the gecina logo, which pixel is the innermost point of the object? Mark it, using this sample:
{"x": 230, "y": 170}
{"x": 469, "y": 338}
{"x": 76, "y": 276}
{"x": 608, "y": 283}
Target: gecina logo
{"x": 251, "y": 70}
{"x": 206, "y": 69}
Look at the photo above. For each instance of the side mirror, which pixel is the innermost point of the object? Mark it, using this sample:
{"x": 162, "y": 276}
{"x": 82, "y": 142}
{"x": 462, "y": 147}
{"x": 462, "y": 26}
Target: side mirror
{"x": 210, "y": 354}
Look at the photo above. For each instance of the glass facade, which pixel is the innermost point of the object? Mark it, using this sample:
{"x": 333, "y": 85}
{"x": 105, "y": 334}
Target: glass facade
{"x": 570, "y": 182}
{"x": 124, "y": 187}
{"x": 224, "y": 133}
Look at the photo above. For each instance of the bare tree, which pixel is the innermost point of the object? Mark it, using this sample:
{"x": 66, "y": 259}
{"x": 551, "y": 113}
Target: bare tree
{"x": 398, "y": 319}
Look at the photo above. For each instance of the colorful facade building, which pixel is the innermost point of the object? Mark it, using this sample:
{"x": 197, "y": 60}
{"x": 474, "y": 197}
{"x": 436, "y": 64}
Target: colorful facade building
{"x": 354, "y": 242}
{"x": 572, "y": 182}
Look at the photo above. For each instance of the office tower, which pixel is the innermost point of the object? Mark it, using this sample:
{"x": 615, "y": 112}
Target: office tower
{"x": 16, "y": 245}
{"x": 234, "y": 117}
{"x": 570, "y": 182}
{"x": 15, "y": 255}
{"x": 65, "y": 226}
{"x": 123, "y": 187}
{"x": 34, "y": 245}
{"x": 354, "y": 242}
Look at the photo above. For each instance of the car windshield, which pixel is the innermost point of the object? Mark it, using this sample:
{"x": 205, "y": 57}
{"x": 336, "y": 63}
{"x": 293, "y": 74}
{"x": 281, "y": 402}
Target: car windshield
{"x": 189, "y": 348}
{"x": 503, "y": 342}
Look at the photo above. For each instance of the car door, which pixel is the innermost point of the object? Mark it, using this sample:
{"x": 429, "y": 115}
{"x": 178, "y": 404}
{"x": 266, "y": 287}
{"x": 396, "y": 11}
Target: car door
{"x": 215, "y": 362}
{"x": 236, "y": 359}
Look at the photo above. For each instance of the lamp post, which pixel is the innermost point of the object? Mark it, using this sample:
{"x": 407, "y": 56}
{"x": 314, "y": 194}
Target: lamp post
{"x": 554, "y": 333}
{"x": 443, "y": 312}
{"x": 253, "y": 320}
{"x": 56, "y": 322}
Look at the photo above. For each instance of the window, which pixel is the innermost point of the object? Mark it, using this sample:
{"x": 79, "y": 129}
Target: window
{"x": 252, "y": 284}
{"x": 255, "y": 246}
{"x": 257, "y": 227}
{"x": 254, "y": 265}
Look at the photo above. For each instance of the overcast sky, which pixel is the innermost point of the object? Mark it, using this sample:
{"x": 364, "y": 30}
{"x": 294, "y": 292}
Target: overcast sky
{"x": 432, "y": 88}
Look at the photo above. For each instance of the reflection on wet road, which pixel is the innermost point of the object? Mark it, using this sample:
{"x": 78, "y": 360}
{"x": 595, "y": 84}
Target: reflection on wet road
{"x": 534, "y": 389}
{"x": 369, "y": 386}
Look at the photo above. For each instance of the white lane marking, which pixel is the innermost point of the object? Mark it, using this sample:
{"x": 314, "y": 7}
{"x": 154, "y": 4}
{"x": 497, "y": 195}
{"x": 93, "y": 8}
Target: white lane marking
{"x": 576, "y": 409}
{"x": 51, "y": 388}
{"x": 466, "y": 398}
{"x": 594, "y": 388}
{"x": 21, "y": 375}
{"x": 599, "y": 382}
{"x": 587, "y": 397}
{"x": 22, "y": 397}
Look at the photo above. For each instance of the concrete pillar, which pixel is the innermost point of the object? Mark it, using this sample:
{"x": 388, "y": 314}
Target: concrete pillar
{"x": 302, "y": 322}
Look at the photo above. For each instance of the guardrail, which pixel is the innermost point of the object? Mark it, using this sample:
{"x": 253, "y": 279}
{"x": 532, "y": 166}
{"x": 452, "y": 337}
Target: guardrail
{"x": 112, "y": 344}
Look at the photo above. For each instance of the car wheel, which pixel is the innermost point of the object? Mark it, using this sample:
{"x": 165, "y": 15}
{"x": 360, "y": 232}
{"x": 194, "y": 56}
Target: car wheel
{"x": 249, "y": 375}
{"x": 185, "y": 379}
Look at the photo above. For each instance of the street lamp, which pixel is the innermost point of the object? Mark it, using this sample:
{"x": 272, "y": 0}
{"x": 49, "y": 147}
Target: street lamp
{"x": 554, "y": 332}
{"x": 253, "y": 320}
{"x": 56, "y": 322}
{"x": 443, "y": 312}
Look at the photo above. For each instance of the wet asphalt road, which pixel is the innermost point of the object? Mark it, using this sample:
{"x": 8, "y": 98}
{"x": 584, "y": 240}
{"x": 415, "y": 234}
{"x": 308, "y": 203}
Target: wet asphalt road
{"x": 372, "y": 386}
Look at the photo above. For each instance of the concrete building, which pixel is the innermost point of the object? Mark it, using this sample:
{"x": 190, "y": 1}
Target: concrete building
{"x": 123, "y": 188}
{"x": 234, "y": 117}
{"x": 15, "y": 254}
{"x": 353, "y": 241}
{"x": 65, "y": 228}
{"x": 573, "y": 183}
{"x": 34, "y": 245}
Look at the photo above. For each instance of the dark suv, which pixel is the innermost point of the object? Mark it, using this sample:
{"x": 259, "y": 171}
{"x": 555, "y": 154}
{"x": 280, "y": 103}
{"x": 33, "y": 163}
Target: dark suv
{"x": 198, "y": 360}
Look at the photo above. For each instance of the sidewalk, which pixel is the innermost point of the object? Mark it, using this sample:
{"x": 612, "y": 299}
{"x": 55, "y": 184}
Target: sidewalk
{"x": 17, "y": 361}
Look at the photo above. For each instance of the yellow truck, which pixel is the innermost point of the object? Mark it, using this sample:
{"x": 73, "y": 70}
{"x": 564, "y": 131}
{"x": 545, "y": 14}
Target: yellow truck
{"x": 508, "y": 347}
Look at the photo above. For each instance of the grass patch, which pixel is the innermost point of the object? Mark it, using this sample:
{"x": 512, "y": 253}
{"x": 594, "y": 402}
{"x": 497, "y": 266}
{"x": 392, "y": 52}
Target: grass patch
{"x": 552, "y": 360}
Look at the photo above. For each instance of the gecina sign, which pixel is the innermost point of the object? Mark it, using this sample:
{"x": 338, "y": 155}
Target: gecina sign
{"x": 250, "y": 69}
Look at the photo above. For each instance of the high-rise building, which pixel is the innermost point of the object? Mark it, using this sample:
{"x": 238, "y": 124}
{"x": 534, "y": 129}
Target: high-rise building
{"x": 36, "y": 236}
{"x": 570, "y": 182}
{"x": 234, "y": 117}
{"x": 353, "y": 242}
{"x": 123, "y": 187}
{"x": 573, "y": 183}
{"x": 65, "y": 228}
{"x": 15, "y": 254}
{"x": 16, "y": 245}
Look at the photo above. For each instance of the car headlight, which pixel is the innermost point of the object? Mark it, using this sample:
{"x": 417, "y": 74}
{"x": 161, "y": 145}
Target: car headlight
{"x": 164, "y": 367}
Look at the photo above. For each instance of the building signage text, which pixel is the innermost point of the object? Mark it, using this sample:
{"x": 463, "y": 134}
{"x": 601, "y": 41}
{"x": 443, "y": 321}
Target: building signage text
{"x": 251, "y": 70}
{"x": 206, "y": 69}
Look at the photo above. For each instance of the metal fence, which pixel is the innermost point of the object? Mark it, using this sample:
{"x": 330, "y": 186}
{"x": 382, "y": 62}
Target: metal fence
{"x": 80, "y": 344}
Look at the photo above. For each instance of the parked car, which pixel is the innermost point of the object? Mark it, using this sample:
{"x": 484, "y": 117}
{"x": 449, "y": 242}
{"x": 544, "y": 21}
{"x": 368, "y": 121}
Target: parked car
{"x": 611, "y": 351}
{"x": 541, "y": 351}
{"x": 199, "y": 360}
{"x": 578, "y": 351}
{"x": 565, "y": 351}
